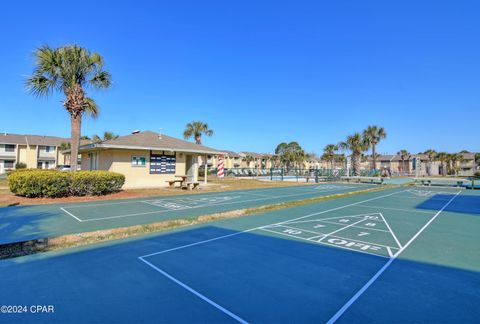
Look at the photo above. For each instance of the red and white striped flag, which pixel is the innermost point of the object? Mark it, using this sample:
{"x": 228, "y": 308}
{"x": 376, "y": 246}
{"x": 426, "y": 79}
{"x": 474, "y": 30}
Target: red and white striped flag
{"x": 220, "y": 172}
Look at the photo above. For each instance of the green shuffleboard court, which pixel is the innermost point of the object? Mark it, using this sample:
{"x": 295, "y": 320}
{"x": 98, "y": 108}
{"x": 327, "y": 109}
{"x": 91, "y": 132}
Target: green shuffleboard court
{"x": 398, "y": 255}
{"x": 34, "y": 222}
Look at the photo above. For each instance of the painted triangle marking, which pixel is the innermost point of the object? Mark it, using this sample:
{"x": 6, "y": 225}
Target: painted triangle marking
{"x": 391, "y": 231}
{"x": 330, "y": 218}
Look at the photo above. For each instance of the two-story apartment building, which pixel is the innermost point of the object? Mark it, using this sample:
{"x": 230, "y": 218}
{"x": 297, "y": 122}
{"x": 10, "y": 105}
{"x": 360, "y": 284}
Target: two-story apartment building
{"x": 35, "y": 151}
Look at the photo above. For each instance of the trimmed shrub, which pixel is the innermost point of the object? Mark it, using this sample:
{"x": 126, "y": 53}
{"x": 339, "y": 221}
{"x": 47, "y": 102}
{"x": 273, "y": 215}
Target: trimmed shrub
{"x": 52, "y": 183}
{"x": 20, "y": 165}
{"x": 96, "y": 182}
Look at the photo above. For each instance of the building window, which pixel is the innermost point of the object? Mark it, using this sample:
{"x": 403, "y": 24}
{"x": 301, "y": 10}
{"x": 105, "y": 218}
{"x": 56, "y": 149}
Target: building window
{"x": 8, "y": 164}
{"x": 139, "y": 161}
{"x": 9, "y": 148}
{"x": 39, "y": 165}
{"x": 49, "y": 149}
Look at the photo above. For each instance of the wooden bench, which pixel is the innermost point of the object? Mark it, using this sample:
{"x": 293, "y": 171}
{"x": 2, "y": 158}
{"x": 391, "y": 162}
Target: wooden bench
{"x": 171, "y": 183}
{"x": 377, "y": 180}
{"x": 192, "y": 185}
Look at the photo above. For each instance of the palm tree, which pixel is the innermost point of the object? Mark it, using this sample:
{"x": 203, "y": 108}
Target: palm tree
{"x": 329, "y": 153}
{"x": 356, "y": 145}
{"x": 106, "y": 136}
{"x": 443, "y": 157}
{"x": 452, "y": 162}
{"x": 431, "y": 155}
{"x": 64, "y": 146}
{"x": 197, "y": 129}
{"x": 372, "y": 136}
{"x": 70, "y": 69}
{"x": 248, "y": 159}
{"x": 274, "y": 160}
{"x": 403, "y": 155}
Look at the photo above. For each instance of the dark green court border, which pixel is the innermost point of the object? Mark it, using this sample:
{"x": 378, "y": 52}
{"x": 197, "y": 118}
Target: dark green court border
{"x": 43, "y": 244}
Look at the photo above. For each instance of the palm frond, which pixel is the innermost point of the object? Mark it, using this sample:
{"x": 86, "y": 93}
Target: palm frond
{"x": 91, "y": 107}
{"x": 39, "y": 85}
{"x": 101, "y": 80}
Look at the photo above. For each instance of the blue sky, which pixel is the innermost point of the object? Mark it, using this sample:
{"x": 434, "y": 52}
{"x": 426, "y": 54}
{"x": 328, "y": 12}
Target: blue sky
{"x": 259, "y": 72}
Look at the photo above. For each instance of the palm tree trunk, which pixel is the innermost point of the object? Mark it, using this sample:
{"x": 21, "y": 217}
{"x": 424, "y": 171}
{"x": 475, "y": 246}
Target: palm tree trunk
{"x": 76, "y": 124}
{"x": 356, "y": 164}
{"x": 198, "y": 139}
{"x": 374, "y": 157}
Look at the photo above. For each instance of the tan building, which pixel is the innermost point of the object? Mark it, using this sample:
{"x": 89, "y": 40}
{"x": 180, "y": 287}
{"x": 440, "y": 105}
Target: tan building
{"x": 147, "y": 159}
{"x": 33, "y": 150}
{"x": 407, "y": 166}
{"x": 260, "y": 160}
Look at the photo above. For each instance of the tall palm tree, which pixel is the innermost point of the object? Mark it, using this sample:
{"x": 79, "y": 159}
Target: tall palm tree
{"x": 356, "y": 145}
{"x": 403, "y": 155}
{"x": 69, "y": 69}
{"x": 372, "y": 136}
{"x": 329, "y": 153}
{"x": 197, "y": 129}
{"x": 431, "y": 155}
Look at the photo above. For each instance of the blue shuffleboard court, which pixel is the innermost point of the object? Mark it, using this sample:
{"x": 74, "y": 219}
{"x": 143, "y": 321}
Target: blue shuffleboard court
{"x": 404, "y": 255}
{"x": 23, "y": 223}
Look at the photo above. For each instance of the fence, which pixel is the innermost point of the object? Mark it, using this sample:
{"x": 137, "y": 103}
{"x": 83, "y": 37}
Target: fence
{"x": 284, "y": 174}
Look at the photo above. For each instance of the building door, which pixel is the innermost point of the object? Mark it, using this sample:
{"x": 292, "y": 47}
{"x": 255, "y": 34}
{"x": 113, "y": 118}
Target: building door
{"x": 191, "y": 167}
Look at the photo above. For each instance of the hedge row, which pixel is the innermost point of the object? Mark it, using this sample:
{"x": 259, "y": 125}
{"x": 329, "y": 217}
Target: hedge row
{"x": 52, "y": 183}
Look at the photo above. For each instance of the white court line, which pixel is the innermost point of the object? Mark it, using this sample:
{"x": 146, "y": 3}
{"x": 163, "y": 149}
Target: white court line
{"x": 398, "y": 209}
{"x": 204, "y": 195}
{"x": 359, "y": 293}
{"x": 260, "y": 227}
{"x": 224, "y": 310}
{"x": 391, "y": 231}
{"x": 341, "y": 229}
{"x": 196, "y": 293}
{"x": 258, "y": 195}
{"x": 295, "y": 228}
{"x": 357, "y": 226}
{"x": 336, "y": 217}
{"x": 151, "y": 203}
{"x": 212, "y": 204}
{"x": 78, "y": 219}
{"x": 324, "y": 235}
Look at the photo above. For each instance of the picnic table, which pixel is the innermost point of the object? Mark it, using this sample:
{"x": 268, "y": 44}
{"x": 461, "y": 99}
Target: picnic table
{"x": 182, "y": 181}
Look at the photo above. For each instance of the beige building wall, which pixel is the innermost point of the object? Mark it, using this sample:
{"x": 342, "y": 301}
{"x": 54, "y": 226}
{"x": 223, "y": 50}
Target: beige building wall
{"x": 22, "y": 154}
{"x": 135, "y": 176}
{"x": 31, "y": 156}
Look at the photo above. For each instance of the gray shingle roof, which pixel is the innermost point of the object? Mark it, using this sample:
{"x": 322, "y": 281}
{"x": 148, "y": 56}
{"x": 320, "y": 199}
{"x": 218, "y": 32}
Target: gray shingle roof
{"x": 149, "y": 140}
{"x": 32, "y": 139}
{"x": 231, "y": 153}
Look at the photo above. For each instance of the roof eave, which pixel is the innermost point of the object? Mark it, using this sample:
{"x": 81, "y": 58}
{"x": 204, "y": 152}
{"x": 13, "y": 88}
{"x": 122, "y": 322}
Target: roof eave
{"x": 131, "y": 147}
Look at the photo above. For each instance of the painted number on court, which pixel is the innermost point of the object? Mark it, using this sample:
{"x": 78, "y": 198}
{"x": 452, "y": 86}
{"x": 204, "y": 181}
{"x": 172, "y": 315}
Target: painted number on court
{"x": 353, "y": 244}
{"x": 292, "y": 231}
